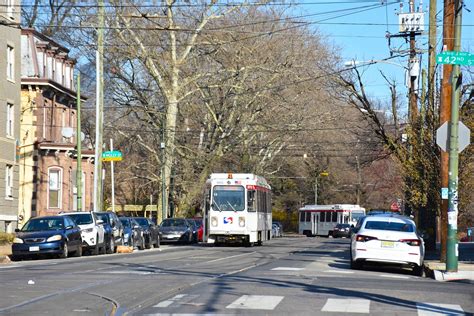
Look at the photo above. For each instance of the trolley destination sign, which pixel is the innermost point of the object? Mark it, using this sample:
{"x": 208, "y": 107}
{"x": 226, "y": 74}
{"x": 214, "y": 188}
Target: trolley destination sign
{"x": 455, "y": 58}
{"x": 113, "y": 155}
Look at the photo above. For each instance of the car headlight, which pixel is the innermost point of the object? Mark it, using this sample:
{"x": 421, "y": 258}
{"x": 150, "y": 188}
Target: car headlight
{"x": 17, "y": 240}
{"x": 242, "y": 221}
{"x": 88, "y": 230}
{"x": 214, "y": 221}
{"x": 54, "y": 238}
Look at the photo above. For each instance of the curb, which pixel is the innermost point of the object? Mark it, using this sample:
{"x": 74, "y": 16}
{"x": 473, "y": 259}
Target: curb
{"x": 438, "y": 273}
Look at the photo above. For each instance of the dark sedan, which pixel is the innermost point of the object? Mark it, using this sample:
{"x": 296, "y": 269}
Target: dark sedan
{"x": 342, "y": 230}
{"x": 176, "y": 230}
{"x": 151, "y": 232}
{"x": 132, "y": 233}
{"x": 49, "y": 235}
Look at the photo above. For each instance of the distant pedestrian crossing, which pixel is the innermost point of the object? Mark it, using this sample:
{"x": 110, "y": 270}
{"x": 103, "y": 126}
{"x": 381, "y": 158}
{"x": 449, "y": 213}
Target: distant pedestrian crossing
{"x": 265, "y": 303}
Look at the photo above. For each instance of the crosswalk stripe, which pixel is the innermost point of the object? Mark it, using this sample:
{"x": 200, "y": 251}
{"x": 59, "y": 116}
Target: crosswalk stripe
{"x": 359, "y": 306}
{"x": 435, "y": 309}
{"x": 266, "y": 302}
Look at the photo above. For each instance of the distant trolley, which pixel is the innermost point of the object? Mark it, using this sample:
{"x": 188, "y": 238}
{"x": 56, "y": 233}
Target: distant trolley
{"x": 319, "y": 220}
{"x": 238, "y": 208}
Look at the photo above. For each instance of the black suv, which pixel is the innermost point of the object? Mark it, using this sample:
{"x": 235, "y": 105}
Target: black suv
{"x": 113, "y": 230}
{"x": 151, "y": 232}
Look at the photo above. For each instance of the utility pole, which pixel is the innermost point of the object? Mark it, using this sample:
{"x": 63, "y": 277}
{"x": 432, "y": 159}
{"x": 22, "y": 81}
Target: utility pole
{"x": 414, "y": 69}
{"x": 456, "y": 82}
{"x": 99, "y": 109}
{"x": 445, "y": 114}
{"x": 432, "y": 57}
{"x": 78, "y": 146}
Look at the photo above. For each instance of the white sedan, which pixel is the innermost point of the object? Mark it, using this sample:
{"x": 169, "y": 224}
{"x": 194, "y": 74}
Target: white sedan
{"x": 387, "y": 238}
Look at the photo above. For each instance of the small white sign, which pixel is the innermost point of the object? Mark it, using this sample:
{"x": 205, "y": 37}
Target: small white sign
{"x": 444, "y": 193}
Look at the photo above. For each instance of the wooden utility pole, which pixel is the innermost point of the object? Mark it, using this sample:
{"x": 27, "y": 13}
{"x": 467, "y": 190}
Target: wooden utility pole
{"x": 432, "y": 58}
{"x": 445, "y": 115}
{"x": 98, "y": 196}
{"x": 414, "y": 70}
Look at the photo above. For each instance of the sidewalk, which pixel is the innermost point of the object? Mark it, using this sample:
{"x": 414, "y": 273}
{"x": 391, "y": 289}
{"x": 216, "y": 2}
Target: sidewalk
{"x": 437, "y": 269}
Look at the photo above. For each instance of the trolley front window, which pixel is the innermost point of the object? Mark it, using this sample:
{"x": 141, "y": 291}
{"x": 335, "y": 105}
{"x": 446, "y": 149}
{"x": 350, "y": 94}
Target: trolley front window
{"x": 228, "y": 198}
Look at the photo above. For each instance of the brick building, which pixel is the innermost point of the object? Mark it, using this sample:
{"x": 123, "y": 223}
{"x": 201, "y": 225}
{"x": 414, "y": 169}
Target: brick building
{"x": 48, "y": 122}
{"x": 9, "y": 112}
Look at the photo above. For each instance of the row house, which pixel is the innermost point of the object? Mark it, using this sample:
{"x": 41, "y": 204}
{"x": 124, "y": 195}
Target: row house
{"x": 48, "y": 159}
{"x": 10, "y": 87}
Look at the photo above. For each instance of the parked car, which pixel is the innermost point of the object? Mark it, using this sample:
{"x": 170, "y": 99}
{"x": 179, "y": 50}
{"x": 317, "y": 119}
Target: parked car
{"x": 176, "y": 230}
{"x": 92, "y": 231}
{"x": 151, "y": 232}
{"x": 341, "y": 230}
{"x": 132, "y": 233}
{"x": 198, "y": 228}
{"x": 387, "y": 238}
{"x": 48, "y": 235}
{"x": 280, "y": 226}
{"x": 113, "y": 230}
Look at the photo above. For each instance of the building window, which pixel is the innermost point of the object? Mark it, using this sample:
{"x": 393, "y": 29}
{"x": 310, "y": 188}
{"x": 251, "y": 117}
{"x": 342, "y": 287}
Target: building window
{"x": 10, "y": 63}
{"x": 10, "y": 119}
{"x": 9, "y": 181}
{"x": 10, "y": 8}
{"x": 54, "y": 188}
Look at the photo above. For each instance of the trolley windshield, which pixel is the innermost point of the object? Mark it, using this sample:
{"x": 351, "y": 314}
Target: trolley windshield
{"x": 228, "y": 198}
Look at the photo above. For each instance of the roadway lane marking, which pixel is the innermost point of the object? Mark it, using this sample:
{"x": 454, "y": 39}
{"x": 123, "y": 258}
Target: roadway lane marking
{"x": 242, "y": 254}
{"x": 435, "y": 309}
{"x": 179, "y": 299}
{"x": 287, "y": 269}
{"x": 339, "y": 271}
{"x": 349, "y": 305}
{"x": 394, "y": 276}
{"x": 266, "y": 302}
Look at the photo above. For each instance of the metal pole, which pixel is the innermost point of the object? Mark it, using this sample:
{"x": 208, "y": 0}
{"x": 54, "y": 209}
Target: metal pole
{"x": 452, "y": 246}
{"x": 78, "y": 146}
{"x": 163, "y": 168}
{"x": 112, "y": 176}
{"x": 316, "y": 192}
{"x": 99, "y": 109}
{"x": 444, "y": 115}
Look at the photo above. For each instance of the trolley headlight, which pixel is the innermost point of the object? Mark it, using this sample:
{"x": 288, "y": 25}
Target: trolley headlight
{"x": 213, "y": 221}
{"x": 242, "y": 221}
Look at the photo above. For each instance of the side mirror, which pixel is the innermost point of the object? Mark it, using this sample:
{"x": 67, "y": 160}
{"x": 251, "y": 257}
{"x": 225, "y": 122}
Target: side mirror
{"x": 100, "y": 222}
{"x": 136, "y": 226}
{"x": 17, "y": 230}
{"x": 69, "y": 227}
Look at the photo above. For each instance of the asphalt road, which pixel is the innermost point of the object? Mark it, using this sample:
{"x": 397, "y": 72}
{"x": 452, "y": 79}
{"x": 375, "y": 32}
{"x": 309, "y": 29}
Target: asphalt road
{"x": 298, "y": 276}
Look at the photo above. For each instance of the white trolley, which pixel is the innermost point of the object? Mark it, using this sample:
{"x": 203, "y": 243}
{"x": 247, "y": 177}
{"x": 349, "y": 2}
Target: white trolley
{"x": 238, "y": 208}
{"x": 319, "y": 220}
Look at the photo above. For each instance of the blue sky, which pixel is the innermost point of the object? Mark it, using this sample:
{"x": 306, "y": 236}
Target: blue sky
{"x": 361, "y": 36}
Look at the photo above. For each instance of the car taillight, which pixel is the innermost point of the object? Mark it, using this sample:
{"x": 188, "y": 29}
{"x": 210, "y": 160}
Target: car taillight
{"x": 411, "y": 242}
{"x": 365, "y": 238}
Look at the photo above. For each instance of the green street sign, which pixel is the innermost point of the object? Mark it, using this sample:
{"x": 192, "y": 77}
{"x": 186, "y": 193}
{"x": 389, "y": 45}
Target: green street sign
{"x": 455, "y": 58}
{"x": 114, "y": 155}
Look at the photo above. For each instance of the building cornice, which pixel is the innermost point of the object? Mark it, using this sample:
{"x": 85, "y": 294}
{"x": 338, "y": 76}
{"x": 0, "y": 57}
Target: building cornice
{"x": 52, "y": 84}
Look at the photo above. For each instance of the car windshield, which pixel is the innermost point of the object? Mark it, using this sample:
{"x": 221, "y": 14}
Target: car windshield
{"x": 81, "y": 219}
{"x": 343, "y": 225}
{"x": 173, "y": 223}
{"x": 388, "y": 225}
{"x": 125, "y": 222}
{"x": 40, "y": 224}
{"x": 228, "y": 197}
{"x": 142, "y": 221}
{"x": 103, "y": 217}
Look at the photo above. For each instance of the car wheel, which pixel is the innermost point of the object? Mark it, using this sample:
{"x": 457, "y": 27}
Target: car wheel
{"x": 65, "y": 252}
{"x": 141, "y": 246}
{"x": 95, "y": 249}
{"x": 419, "y": 271}
{"x": 157, "y": 245}
{"x": 78, "y": 252}
{"x": 111, "y": 247}
{"x": 149, "y": 243}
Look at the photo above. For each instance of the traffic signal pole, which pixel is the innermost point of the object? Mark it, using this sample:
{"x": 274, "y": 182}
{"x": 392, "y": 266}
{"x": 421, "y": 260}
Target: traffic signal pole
{"x": 453, "y": 199}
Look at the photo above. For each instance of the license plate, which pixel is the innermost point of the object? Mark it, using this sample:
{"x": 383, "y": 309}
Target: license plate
{"x": 34, "y": 248}
{"x": 388, "y": 244}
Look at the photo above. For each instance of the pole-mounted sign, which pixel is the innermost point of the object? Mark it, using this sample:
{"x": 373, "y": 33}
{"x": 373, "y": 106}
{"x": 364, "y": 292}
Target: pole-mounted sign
{"x": 455, "y": 58}
{"x": 113, "y": 155}
{"x": 442, "y": 136}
